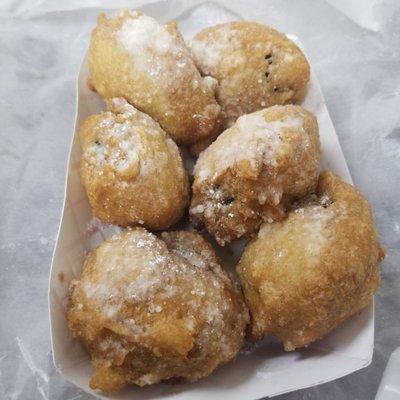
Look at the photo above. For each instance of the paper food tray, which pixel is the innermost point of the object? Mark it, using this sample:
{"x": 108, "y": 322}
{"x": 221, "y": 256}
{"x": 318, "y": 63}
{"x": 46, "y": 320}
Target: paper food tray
{"x": 264, "y": 372}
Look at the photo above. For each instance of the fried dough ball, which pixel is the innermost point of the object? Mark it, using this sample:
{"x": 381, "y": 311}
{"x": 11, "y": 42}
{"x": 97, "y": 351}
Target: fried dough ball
{"x": 152, "y": 309}
{"x": 255, "y": 66}
{"x": 253, "y": 169}
{"x": 134, "y": 57}
{"x": 132, "y": 171}
{"x": 305, "y": 275}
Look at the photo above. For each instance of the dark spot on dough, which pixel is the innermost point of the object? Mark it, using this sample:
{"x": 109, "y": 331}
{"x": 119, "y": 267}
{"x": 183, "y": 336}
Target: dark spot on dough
{"x": 268, "y": 57}
{"x": 227, "y": 200}
{"x": 194, "y": 352}
{"x": 61, "y": 277}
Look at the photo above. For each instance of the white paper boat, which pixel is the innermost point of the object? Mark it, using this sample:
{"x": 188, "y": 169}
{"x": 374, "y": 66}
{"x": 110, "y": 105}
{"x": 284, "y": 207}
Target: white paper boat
{"x": 266, "y": 371}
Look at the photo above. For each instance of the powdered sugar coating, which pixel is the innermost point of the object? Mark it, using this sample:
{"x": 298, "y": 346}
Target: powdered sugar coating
{"x": 151, "y": 45}
{"x": 314, "y": 220}
{"x": 210, "y": 54}
{"x": 143, "y": 33}
{"x": 164, "y": 297}
{"x": 254, "y": 139}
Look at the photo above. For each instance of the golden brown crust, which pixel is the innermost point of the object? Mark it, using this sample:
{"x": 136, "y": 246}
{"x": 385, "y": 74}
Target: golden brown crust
{"x": 253, "y": 169}
{"x": 197, "y": 147}
{"x": 151, "y": 309}
{"x": 305, "y": 275}
{"x": 134, "y": 57}
{"x": 132, "y": 171}
{"x": 255, "y": 66}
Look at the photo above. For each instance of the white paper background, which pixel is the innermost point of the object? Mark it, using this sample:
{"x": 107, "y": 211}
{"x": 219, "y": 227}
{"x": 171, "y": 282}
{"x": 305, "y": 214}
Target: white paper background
{"x": 40, "y": 49}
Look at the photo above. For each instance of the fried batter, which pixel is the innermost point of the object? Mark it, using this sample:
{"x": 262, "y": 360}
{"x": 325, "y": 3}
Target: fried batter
{"x": 154, "y": 309}
{"x": 132, "y": 171}
{"x": 255, "y": 66}
{"x": 134, "y": 57}
{"x": 253, "y": 169}
{"x": 305, "y": 275}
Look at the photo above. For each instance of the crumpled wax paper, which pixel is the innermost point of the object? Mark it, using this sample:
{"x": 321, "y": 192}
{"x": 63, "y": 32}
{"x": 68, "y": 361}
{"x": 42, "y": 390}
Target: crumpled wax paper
{"x": 355, "y": 51}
